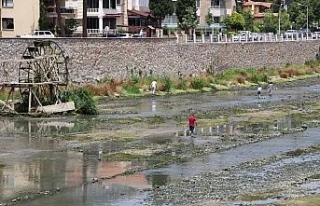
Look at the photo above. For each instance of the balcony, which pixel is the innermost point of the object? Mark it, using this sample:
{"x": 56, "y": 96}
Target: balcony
{"x": 63, "y": 11}
{"x": 105, "y": 11}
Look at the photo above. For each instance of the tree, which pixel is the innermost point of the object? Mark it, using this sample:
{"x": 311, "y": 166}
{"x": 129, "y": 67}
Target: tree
{"x": 270, "y": 23}
{"x": 190, "y": 20}
{"x": 84, "y": 19}
{"x": 248, "y": 19}
{"x": 161, "y": 8}
{"x": 70, "y": 26}
{"x": 209, "y": 18}
{"x": 181, "y": 10}
{"x": 60, "y": 24}
{"x": 44, "y": 23}
{"x": 237, "y": 21}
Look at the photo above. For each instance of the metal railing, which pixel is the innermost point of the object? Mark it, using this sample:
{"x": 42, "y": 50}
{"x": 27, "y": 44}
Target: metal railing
{"x": 234, "y": 39}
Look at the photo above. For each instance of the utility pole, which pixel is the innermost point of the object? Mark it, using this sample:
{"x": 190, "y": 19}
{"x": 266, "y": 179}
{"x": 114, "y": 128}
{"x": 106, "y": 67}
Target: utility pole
{"x": 84, "y": 19}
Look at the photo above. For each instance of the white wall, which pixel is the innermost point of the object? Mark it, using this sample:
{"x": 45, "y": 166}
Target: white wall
{"x": 26, "y": 15}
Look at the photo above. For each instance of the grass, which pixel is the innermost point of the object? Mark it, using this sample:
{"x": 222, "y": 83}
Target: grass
{"x": 310, "y": 200}
{"x": 139, "y": 84}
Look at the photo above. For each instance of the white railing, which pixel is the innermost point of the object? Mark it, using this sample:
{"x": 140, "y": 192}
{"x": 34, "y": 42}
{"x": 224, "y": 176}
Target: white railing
{"x": 93, "y": 31}
{"x": 93, "y": 10}
{"x": 257, "y": 38}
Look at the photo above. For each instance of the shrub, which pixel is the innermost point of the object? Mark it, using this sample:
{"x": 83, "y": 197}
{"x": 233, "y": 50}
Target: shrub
{"x": 198, "y": 83}
{"x": 131, "y": 89}
{"x": 182, "y": 84}
{"x": 83, "y": 100}
{"x": 167, "y": 83}
{"x": 283, "y": 75}
{"x": 241, "y": 79}
{"x": 312, "y": 63}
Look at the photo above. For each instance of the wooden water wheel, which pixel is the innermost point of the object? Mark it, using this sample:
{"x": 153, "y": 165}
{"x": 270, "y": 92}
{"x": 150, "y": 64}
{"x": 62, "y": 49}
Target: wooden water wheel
{"x": 43, "y": 74}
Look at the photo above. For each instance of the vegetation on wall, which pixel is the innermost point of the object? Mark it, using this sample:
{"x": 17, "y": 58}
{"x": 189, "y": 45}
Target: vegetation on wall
{"x": 139, "y": 85}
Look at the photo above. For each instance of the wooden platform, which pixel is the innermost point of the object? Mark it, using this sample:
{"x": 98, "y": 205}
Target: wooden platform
{"x": 57, "y": 108}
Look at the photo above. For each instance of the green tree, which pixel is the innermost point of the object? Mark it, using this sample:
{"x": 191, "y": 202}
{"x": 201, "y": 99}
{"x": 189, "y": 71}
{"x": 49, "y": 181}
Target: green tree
{"x": 181, "y": 10}
{"x": 270, "y": 23}
{"x": 248, "y": 18}
{"x": 161, "y": 8}
{"x": 44, "y": 23}
{"x": 285, "y": 22}
{"x": 190, "y": 20}
{"x": 237, "y": 21}
{"x": 70, "y": 26}
{"x": 209, "y": 18}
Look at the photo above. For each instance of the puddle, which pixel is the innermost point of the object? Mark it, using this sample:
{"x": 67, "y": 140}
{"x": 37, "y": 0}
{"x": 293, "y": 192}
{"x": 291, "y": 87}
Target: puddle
{"x": 257, "y": 202}
{"x": 33, "y": 163}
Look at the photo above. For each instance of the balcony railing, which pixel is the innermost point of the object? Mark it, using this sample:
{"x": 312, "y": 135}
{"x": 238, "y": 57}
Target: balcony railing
{"x": 62, "y": 10}
{"x": 105, "y": 11}
{"x": 93, "y": 10}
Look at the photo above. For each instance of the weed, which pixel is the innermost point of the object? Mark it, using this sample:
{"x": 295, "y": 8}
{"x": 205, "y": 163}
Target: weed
{"x": 131, "y": 89}
{"x": 83, "y": 100}
{"x": 198, "y": 83}
{"x": 167, "y": 83}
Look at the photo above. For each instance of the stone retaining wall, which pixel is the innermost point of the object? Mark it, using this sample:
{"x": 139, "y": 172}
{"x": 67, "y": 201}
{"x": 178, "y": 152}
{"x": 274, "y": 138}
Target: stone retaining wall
{"x": 93, "y": 58}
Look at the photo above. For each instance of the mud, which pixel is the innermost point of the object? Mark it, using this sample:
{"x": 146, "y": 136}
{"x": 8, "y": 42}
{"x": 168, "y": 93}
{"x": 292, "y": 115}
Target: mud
{"x": 138, "y": 152}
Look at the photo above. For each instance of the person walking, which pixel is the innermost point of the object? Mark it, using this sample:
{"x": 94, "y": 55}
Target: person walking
{"x": 259, "y": 91}
{"x": 192, "y": 122}
{"x": 153, "y": 87}
{"x": 270, "y": 87}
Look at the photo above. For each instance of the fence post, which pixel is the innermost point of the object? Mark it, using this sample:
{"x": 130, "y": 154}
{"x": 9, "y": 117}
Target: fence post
{"x": 194, "y": 38}
{"x": 211, "y": 38}
{"x": 203, "y": 39}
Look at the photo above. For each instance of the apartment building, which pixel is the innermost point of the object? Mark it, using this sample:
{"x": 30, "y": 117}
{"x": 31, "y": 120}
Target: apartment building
{"x": 18, "y": 17}
{"x": 129, "y": 15}
{"x": 218, "y": 9}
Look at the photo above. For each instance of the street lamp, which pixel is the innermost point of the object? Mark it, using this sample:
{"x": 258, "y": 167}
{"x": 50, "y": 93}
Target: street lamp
{"x": 307, "y": 16}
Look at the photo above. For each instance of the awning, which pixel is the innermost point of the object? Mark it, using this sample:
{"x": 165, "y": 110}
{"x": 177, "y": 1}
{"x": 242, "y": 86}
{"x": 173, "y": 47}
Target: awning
{"x": 139, "y": 13}
{"x": 151, "y": 27}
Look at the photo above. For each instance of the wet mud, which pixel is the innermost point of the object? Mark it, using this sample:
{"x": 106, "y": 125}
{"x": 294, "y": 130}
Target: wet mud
{"x": 138, "y": 151}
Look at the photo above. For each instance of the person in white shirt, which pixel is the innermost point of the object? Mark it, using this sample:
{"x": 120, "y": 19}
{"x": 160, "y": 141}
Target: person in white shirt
{"x": 270, "y": 87}
{"x": 153, "y": 87}
{"x": 259, "y": 91}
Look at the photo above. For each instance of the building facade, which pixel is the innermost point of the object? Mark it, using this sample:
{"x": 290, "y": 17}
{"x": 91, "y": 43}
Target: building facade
{"x": 218, "y": 9}
{"x": 128, "y": 15}
{"x": 19, "y": 17}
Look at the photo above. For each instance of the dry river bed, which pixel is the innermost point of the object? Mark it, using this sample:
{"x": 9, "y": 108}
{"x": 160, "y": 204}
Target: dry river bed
{"x": 247, "y": 151}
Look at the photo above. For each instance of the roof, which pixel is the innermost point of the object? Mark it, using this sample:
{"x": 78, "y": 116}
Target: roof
{"x": 139, "y": 13}
{"x": 264, "y": 4}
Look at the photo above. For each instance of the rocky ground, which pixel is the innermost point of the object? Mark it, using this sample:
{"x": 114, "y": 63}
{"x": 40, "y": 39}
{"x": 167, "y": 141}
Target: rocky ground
{"x": 269, "y": 181}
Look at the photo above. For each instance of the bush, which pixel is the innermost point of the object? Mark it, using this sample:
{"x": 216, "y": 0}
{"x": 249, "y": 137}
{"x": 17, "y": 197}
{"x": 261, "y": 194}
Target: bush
{"x": 131, "y": 89}
{"x": 312, "y": 63}
{"x": 182, "y": 84}
{"x": 198, "y": 83}
{"x": 167, "y": 83}
{"x": 83, "y": 100}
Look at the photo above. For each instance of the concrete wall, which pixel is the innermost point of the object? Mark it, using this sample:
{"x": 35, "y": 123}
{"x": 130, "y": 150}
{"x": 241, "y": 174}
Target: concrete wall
{"x": 99, "y": 57}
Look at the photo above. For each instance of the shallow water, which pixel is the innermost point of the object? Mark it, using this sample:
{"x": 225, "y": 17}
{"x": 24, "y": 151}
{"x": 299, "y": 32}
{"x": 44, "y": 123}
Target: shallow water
{"x": 36, "y": 163}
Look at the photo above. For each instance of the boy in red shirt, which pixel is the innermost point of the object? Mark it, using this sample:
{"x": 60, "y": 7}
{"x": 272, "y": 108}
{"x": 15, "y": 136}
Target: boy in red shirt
{"x": 192, "y": 123}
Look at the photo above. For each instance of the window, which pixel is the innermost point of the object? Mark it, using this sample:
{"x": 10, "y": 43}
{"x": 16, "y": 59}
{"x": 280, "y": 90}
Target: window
{"x": 109, "y": 4}
{"x": 198, "y": 3}
{"x": 118, "y": 2}
{"x": 7, "y": 3}
{"x": 215, "y": 3}
{"x": 216, "y": 19}
{"x": 7, "y": 24}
